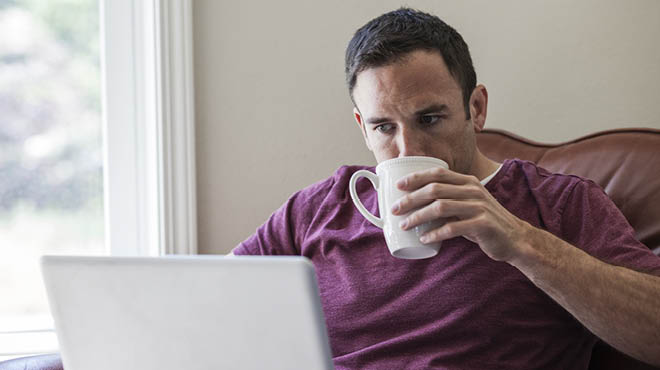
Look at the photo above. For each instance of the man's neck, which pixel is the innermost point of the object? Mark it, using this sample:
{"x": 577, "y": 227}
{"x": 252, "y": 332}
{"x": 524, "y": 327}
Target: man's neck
{"x": 483, "y": 166}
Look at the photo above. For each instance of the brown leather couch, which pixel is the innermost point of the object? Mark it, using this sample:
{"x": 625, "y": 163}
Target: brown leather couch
{"x": 625, "y": 162}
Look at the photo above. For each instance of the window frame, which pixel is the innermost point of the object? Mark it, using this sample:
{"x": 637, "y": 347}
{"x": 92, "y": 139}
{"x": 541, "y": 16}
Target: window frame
{"x": 149, "y": 163}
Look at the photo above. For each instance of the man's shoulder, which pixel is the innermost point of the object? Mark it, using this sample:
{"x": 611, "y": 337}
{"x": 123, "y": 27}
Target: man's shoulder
{"x": 524, "y": 182}
{"x": 540, "y": 196}
{"x": 539, "y": 178}
{"x": 521, "y": 181}
{"x": 334, "y": 186}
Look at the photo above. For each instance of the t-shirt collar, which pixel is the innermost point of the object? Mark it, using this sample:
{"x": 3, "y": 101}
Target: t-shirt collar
{"x": 489, "y": 177}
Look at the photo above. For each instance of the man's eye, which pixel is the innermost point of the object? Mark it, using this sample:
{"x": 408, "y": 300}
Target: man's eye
{"x": 385, "y": 127}
{"x": 429, "y": 119}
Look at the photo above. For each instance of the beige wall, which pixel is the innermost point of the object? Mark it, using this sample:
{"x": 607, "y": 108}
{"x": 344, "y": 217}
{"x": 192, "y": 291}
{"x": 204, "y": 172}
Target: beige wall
{"x": 273, "y": 113}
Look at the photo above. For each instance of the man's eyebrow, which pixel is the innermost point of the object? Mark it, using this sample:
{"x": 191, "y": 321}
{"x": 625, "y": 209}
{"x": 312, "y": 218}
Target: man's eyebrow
{"x": 377, "y": 120}
{"x": 433, "y": 108}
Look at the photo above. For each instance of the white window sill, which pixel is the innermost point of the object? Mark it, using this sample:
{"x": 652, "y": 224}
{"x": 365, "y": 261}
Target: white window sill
{"x": 27, "y": 335}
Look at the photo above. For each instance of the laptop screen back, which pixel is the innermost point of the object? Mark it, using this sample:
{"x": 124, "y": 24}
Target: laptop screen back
{"x": 197, "y": 312}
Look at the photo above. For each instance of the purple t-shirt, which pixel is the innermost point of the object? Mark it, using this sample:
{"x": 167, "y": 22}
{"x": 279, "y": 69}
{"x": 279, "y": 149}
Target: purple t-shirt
{"x": 459, "y": 309}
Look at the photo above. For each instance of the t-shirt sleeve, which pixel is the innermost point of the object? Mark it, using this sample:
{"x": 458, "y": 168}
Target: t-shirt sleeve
{"x": 285, "y": 230}
{"x": 592, "y": 222}
{"x": 276, "y": 236}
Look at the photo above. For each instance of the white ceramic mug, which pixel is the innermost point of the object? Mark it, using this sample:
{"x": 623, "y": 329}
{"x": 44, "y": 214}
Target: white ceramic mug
{"x": 401, "y": 243}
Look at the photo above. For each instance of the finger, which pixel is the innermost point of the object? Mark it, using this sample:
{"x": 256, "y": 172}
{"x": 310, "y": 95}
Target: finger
{"x": 438, "y": 174}
{"x": 448, "y": 231}
{"x": 442, "y": 209}
{"x": 434, "y": 191}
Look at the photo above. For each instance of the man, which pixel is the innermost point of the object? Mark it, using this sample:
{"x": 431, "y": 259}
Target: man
{"x": 527, "y": 276}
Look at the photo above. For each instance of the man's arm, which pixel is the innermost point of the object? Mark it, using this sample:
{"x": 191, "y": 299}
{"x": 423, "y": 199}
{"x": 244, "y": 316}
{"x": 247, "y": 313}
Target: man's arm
{"x": 619, "y": 305}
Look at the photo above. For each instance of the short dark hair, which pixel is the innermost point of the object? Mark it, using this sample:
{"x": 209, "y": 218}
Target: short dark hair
{"x": 390, "y": 37}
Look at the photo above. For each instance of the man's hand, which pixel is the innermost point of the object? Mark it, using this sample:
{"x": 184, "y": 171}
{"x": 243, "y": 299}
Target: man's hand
{"x": 470, "y": 210}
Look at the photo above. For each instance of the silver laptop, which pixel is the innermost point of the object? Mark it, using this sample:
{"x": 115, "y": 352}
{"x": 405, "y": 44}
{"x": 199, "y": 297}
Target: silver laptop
{"x": 197, "y": 312}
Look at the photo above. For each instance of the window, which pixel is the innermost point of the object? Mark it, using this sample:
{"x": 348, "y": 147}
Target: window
{"x": 51, "y": 164}
{"x": 96, "y": 128}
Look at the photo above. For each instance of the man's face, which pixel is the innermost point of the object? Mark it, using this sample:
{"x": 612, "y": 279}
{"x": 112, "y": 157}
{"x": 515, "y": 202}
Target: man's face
{"x": 415, "y": 108}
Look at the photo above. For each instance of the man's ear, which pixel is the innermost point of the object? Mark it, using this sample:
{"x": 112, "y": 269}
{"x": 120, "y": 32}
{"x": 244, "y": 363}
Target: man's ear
{"x": 363, "y": 129}
{"x": 479, "y": 107}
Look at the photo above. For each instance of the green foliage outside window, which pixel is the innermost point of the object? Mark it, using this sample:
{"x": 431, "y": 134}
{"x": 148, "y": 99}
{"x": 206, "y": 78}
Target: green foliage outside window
{"x": 50, "y": 105}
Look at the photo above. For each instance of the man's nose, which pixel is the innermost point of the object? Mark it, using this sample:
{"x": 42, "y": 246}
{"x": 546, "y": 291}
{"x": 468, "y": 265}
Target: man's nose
{"x": 410, "y": 143}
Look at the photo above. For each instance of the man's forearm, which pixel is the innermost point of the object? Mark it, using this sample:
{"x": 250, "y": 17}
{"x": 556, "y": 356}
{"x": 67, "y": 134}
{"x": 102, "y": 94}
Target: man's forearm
{"x": 618, "y": 305}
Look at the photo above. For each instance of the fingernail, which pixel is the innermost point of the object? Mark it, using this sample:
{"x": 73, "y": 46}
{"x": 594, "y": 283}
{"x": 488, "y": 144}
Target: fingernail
{"x": 395, "y": 208}
{"x": 403, "y": 224}
{"x": 424, "y": 239}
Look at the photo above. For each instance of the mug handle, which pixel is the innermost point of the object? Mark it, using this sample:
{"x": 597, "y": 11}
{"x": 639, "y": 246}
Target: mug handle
{"x": 356, "y": 200}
